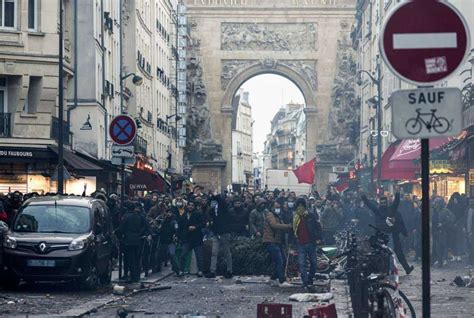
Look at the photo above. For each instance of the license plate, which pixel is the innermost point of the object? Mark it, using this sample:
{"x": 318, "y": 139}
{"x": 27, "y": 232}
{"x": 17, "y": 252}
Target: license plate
{"x": 41, "y": 263}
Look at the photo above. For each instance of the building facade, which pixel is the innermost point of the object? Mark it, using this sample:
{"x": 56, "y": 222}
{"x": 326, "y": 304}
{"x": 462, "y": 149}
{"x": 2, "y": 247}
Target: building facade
{"x": 242, "y": 152}
{"x": 370, "y": 18}
{"x": 29, "y": 73}
{"x": 285, "y": 147}
{"x": 149, "y": 49}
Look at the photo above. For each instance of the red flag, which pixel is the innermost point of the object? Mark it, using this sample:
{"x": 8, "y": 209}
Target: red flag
{"x": 305, "y": 173}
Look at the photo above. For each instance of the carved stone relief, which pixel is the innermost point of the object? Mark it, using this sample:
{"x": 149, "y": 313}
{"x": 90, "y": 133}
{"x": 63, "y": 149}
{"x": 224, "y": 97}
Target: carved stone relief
{"x": 268, "y": 36}
{"x": 201, "y": 144}
{"x": 306, "y": 68}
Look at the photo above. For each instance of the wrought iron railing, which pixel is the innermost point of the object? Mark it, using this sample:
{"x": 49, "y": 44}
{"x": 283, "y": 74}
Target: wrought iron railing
{"x": 140, "y": 145}
{"x": 5, "y": 124}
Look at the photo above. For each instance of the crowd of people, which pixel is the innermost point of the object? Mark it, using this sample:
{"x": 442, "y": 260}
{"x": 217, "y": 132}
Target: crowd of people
{"x": 151, "y": 229}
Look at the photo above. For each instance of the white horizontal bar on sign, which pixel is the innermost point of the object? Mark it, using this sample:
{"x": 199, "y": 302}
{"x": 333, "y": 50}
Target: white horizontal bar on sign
{"x": 409, "y": 41}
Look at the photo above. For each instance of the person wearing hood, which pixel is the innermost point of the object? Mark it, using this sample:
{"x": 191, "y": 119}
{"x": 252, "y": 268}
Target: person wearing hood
{"x": 273, "y": 237}
{"x": 220, "y": 223}
{"x": 179, "y": 206}
{"x": 308, "y": 232}
{"x": 389, "y": 220}
{"x": 256, "y": 218}
{"x": 442, "y": 220}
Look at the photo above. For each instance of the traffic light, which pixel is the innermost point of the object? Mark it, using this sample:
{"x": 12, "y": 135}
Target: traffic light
{"x": 138, "y": 123}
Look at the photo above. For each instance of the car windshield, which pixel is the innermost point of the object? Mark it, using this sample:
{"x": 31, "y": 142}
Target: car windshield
{"x": 53, "y": 219}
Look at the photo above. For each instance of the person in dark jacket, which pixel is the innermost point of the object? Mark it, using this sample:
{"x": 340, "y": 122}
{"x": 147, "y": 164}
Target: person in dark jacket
{"x": 221, "y": 221}
{"x": 167, "y": 242}
{"x": 457, "y": 205}
{"x": 132, "y": 229}
{"x": 442, "y": 220}
{"x": 256, "y": 218}
{"x": 190, "y": 226}
{"x": 390, "y": 221}
{"x": 308, "y": 233}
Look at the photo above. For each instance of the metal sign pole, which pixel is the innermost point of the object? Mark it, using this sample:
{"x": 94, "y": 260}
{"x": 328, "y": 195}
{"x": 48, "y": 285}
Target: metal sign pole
{"x": 425, "y": 227}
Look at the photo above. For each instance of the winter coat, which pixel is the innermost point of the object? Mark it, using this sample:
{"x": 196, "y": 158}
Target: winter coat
{"x": 313, "y": 225}
{"x": 191, "y": 236}
{"x": 274, "y": 229}
{"x": 256, "y": 220}
{"x": 133, "y": 228}
{"x": 381, "y": 215}
{"x": 331, "y": 218}
{"x": 220, "y": 217}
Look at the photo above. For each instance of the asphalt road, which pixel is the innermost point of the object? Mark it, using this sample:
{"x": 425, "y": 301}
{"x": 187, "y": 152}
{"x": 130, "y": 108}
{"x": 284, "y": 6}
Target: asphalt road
{"x": 225, "y": 298}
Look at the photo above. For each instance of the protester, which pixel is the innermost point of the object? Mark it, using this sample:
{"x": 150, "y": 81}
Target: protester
{"x": 390, "y": 221}
{"x": 273, "y": 238}
{"x": 442, "y": 220}
{"x": 132, "y": 230}
{"x": 331, "y": 220}
{"x": 190, "y": 228}
{"x": 256, "y": 218}
{"x": 307, "y": 231}
{"x": 221, "y": 222}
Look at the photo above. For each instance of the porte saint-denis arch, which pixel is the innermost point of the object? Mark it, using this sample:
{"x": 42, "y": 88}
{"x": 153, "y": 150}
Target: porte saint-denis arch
{"x": 306, "y": 41}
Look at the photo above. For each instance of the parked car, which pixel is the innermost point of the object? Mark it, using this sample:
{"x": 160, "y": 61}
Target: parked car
{"x": 60, "y": 238}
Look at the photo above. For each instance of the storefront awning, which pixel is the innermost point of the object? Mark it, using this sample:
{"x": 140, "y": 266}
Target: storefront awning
{"x": 145, "y": 180}
{"x": 77, "y": 163}
{"x": 396, "y": 170}
{"x": 410, "y": 149}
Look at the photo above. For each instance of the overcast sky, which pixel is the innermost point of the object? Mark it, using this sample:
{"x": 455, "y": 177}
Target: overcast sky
{"x": 268, "y": 93}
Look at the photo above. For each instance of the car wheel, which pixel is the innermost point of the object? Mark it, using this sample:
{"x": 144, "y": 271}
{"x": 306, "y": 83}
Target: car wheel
{"x": 106, "y": 277}
{"x": 92, "y": 280}
{"x": 11, "y": 281}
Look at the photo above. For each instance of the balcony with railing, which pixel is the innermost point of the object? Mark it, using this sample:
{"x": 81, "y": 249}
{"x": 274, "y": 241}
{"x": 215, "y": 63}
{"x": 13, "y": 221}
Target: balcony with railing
{"x": 5, "y": 125}
{"x": 140, "y": 145}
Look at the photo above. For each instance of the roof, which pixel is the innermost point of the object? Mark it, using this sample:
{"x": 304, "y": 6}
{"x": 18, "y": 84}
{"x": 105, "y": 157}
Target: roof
{"x": 61, "y": 200}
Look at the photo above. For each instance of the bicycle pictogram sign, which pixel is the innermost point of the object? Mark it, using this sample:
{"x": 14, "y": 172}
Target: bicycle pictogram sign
{"x": 426, "y": 113}
{"x": 123, "y": 130}
{"x": 428, "y": 120}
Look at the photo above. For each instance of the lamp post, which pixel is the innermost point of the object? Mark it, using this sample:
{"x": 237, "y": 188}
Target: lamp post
{"x": 61, "y": 104}
{"x": 377, "y": 80}
{"x": 137, "y": 81}
{"x": 169, "y": 157}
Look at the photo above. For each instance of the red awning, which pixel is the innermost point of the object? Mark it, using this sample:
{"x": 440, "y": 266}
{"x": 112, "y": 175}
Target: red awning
{"x": 410, "y": 149}
{"x": 145, "y": 180}
{"x": 396, "y": 170}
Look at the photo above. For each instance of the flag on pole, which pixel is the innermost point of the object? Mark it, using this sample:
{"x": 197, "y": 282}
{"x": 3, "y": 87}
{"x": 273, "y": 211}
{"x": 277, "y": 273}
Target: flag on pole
{"x": 305, "y": 173}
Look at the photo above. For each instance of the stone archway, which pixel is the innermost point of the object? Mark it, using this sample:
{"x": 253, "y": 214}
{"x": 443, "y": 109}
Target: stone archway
{"x": 233, "y": 41}
{"x": 242, "y": 71}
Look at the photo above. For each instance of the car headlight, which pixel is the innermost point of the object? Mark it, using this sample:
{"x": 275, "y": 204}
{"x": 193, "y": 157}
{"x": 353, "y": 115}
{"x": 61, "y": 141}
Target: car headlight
{"x": 77, "y": 244}
{"x": 10, "y": 243}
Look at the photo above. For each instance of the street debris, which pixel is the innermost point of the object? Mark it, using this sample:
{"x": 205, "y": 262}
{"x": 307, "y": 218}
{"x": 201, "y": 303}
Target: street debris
{"x": 306, "y": 297}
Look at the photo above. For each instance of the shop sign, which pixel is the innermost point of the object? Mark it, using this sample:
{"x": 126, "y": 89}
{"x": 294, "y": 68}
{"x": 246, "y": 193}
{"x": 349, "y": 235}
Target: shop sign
{"x": 138, "y": 187}
{"x": 443, "y": 166}
{"x": 471, "y": 177}
{"x": 16, "y": 153}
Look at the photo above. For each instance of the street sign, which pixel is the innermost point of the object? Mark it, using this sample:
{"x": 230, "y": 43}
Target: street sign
{"x": 426, "y": 113}
{"x": 123, "y": 129}
{"x": 424, "y": 42}
{"x": 123, "y": 151}
{"x": 123, "y": 161}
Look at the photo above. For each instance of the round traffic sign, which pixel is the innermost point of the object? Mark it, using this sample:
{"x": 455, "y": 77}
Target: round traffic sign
{"x": 123, "y": 129}
{"x": 424, "y": 42}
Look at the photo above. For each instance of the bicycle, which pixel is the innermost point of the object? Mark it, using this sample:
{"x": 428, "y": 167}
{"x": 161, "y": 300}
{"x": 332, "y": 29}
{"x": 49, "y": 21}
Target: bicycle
{"x": 372, "y": 292}
{"x": 438, "y": 124}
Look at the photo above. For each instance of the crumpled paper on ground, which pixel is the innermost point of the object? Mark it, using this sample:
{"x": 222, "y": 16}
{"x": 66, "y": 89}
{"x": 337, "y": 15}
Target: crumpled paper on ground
{"x": 306, "y": 297}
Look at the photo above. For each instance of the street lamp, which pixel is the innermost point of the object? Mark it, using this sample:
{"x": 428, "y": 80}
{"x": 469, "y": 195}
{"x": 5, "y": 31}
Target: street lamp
{"x": 377, "y": 80}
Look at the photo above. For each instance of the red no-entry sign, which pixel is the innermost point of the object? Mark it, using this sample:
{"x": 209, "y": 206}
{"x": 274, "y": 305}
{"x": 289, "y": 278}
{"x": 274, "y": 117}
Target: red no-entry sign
{"x": 123, "y": 129}
{"x": 424, "y": 41}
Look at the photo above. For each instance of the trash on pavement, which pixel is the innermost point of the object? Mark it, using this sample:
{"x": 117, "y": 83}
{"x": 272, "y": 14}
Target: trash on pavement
{"x": 306, "y": 297}
{"x": 327, "y": 311}
{"x": 274, "y": 311}
{"x": 119, "y": 290}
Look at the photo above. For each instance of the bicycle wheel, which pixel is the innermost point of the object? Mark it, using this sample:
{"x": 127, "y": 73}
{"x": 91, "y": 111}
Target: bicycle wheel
{"x": 441, "y": 125}
{"x": 413, "y": 126}
{"x": 407, "y": 304}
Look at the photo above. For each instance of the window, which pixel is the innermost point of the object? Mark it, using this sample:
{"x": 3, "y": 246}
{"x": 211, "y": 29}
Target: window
{"x": 32, "y": 15}
{"x": 8, "y": 13}
{"x": 3, "y": 95}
